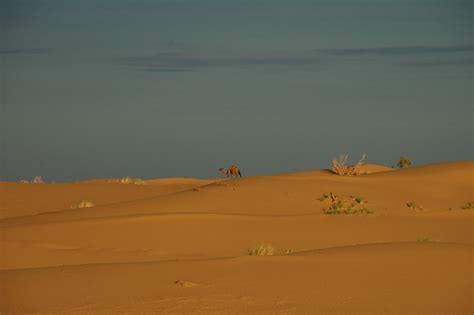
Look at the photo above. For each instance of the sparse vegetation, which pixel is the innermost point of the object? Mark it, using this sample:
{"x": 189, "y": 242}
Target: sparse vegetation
{"x": 404, "y": 162}
{"x": 83, "y": 204}
{"x": 344, "y": 205}
{"x": 128, "y": 180}
{"x": 340, "y": 167}
{"x": 469, "y": 205}
{"x": 265, "y": 249}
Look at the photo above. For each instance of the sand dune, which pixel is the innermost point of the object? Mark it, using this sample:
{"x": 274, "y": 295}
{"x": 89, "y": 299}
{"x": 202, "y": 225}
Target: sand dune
{"x": 175, "y": 246}
{"x": 392, "y": 278}
{"x": 184, "y": 236}
{"x": 437, "y": 188}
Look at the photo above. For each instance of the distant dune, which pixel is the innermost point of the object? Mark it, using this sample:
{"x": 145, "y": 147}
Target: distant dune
{"x": 179, "y": 245}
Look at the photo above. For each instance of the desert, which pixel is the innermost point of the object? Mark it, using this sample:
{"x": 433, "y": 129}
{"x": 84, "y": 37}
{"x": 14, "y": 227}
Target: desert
{"x": 389, "y": 241}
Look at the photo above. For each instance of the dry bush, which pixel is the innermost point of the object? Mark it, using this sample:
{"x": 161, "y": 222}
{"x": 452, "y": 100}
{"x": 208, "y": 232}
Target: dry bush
{"x": 340, "y": 167}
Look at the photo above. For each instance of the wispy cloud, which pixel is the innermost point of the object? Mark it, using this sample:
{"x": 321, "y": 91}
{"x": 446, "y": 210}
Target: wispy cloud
{"x": 172, "y": 60}
{"x": 398, "y": 50}
{"x": 435, "y": 63}
{"x": 177, "y": 61}
{"x": 21, "y": 51}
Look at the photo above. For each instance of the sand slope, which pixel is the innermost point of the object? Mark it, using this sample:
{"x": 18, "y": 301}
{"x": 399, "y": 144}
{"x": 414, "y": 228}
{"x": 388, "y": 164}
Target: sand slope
{"x": 176, "y": 246}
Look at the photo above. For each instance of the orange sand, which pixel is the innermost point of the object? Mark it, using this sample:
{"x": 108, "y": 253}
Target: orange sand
{"x": 179, "y": 246}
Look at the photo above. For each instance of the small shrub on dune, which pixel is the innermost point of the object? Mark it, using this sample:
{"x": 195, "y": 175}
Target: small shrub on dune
{"x": 404, "y": 162}
{"x": 83, "y": 204}
{"x": 340, "y": 167}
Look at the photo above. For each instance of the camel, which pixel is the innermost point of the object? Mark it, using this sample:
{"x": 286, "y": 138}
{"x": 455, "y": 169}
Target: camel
{"x": 234, "y": 170}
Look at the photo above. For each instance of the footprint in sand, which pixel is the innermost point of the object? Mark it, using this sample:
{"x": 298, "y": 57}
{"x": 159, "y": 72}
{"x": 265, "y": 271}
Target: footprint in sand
{"x": 185, "y": 284}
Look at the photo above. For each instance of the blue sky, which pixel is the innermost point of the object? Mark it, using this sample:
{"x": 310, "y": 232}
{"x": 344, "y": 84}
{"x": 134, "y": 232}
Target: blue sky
{"x": 179, "y": 88}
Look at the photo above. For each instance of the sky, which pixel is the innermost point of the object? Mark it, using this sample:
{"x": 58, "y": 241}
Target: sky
{"x": 167, "y": 88}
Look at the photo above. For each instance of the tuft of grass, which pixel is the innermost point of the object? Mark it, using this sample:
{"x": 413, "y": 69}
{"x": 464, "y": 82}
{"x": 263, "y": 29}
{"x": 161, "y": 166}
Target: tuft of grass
{"x": 83, "y": 204}
{"x": 263, "y": 249}
{"x": 469, "y": 205}
{"x": 340, "y": 167}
